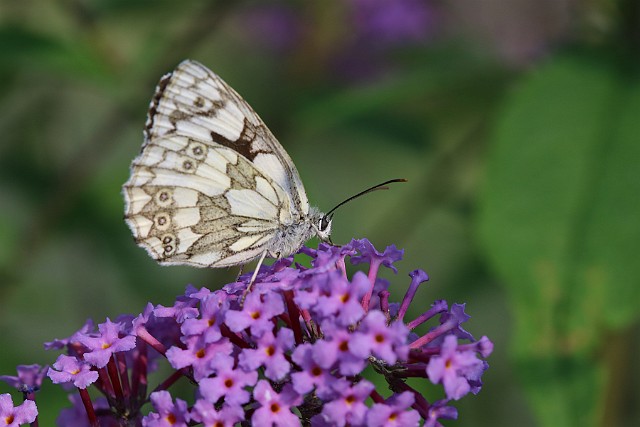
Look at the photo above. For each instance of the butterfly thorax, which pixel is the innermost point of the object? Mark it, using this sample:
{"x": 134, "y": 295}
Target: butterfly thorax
{"x": 291, "y": 237}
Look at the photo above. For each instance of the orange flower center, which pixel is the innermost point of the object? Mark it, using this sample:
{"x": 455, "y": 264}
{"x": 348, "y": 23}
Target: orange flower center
{"x": 270, "y": 351}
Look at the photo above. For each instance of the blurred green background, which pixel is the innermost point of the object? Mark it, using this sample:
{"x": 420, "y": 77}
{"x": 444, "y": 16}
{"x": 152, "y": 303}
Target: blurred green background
{"x": 516, "y": 122}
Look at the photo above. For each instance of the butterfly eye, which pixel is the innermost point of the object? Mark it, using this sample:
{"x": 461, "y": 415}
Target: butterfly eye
{"x": 324, "y": 223}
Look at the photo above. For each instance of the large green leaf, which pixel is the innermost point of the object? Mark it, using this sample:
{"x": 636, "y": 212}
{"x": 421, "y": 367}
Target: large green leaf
{"x": 560, "y": 222}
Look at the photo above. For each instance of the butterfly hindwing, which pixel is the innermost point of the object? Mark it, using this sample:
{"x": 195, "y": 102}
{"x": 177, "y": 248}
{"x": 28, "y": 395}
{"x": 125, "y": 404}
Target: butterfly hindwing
{"x": 191, "y": 203}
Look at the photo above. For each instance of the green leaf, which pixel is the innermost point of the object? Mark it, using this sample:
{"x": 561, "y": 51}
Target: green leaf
{"x": 560, "y": 224}
{"x": 609, "y": 265}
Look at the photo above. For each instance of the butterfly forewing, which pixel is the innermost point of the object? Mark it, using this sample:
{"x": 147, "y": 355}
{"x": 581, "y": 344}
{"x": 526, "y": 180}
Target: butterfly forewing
{"x": 211, "y": 186}
{"x": 193, "y": 101}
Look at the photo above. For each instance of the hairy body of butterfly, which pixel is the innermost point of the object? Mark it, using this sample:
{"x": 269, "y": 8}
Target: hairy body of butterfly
{"x": 212, "y": 187}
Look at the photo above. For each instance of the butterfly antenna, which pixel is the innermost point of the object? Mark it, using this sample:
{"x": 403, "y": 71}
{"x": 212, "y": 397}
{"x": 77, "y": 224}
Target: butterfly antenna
{"x": 381, "y": 186}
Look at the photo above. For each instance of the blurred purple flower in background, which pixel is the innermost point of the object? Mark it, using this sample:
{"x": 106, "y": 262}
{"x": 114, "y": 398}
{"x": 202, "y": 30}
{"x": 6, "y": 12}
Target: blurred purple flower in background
{"x": 352, "y": 42}
{"x": 377, "y": 28}
{"x": 274, "y": 26}
{"x": 392, "y": 22}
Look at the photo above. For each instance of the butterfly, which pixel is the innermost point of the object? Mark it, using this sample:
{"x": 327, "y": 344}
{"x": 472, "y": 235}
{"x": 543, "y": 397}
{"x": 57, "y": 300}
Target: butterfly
{"x": 212, "y": 186}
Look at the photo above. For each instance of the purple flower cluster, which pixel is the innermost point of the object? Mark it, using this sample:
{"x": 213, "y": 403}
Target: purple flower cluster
{"x": 294, "y": 352}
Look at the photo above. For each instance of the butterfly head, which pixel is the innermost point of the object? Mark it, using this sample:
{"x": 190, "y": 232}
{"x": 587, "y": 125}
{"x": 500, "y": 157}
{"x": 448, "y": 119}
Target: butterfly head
{"x": 324, "y": 228}
{"x": 321, "y": 224}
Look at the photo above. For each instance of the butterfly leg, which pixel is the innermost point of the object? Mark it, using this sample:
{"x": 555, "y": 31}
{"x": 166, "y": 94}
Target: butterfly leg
{"x": 253, "y": 277}
{"x": 240, "y": 272}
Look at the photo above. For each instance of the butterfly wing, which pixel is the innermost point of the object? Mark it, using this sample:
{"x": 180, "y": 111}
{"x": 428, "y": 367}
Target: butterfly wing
{"x": 211, "y": 186}
{"x": 193, "y": 101}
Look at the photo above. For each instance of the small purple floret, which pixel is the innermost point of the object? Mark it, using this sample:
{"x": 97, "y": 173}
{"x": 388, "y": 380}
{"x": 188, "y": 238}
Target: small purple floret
{"x": 168, "y": 414}
{"x": 348, "y": 407}
{"x": 206, "y": 413}
{"x": 440, "y": 410}
{"x": 375, "y": 337}
{"x": 70, "y": 369}
{"x": 370, "y": 255}
{"x": 394, "y": 412}
{"x": 256, "y": 314}
{"x": 275, "y": 409}
{"x": 103, "y": 345}
{"x": 270, "y": 353}
{"x": 29, "y": 378}
{"x": 14, "y": 416}
{"x": 312, "y": 374}
{"x": 455, "y": 369}
{"x": 198, "y": 355}
{"x": 228, "y": 382}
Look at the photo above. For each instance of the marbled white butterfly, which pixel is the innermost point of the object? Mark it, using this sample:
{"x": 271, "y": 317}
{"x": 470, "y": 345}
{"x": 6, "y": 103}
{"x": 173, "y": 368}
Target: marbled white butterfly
{"x": 212, "y": 187}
